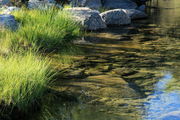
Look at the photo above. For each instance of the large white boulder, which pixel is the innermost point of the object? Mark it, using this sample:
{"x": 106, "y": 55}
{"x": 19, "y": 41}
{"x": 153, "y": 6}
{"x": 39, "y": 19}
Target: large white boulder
{"x": 116, "y": 17}
{"x": 89, "y": 19}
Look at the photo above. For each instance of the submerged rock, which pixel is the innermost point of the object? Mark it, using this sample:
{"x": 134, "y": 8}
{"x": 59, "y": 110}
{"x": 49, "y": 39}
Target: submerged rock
{"x": 94, "y": 4}
{"x": 116, "y": 17}
{"x": 89, "y": 19}
{"x": 114, "y": 4}
{"x": 7, "y": 22}
{"x": 44, "y": 4}
{"x": 135, "y": 14}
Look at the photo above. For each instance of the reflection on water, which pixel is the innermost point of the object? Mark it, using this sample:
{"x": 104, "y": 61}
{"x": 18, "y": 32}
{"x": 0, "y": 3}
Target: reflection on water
{"x": 164, "y": 105}
{"x": 162, "y": 84}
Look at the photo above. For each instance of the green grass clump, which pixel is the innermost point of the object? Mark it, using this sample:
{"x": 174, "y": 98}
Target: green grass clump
{"x": 23, "y": 79}
{"x": 49, "y": 30}
{"x": 24, "y": 75}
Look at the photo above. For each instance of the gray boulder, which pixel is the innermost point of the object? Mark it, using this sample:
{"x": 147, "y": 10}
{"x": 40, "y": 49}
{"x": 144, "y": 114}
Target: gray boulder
{"x": 135, "y": 14}
{"x": 116, "y": 17}
{"x": 123, "y": 4}
{"x": 88, "y": 18}
{"x": 42, "y": 4}
{"x": 93, "y": 4}
{"x": 8, "y": 22}
{"x": 5, "y": 2}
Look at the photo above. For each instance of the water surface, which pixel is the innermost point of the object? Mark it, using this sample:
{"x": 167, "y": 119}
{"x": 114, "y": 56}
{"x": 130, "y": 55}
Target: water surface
{"x": 128, "y": 72}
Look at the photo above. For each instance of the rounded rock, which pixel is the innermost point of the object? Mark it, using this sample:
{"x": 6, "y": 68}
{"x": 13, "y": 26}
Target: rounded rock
{"x": 88, "y": 18}
{"x": 116, "y": 17}
{"x": 8, "y": 22}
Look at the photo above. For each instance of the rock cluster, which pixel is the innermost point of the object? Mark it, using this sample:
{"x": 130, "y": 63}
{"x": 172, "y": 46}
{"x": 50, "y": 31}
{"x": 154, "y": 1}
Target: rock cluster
{"x": 119, "y": 12}
{"x": 94, "y": 20}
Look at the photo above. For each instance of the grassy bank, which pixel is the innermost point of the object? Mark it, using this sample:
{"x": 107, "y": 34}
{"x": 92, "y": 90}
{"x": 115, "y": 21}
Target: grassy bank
{"x": 23, "y": 79}
{"x": 25, "y": 74}
{"x": 48, "y": 30}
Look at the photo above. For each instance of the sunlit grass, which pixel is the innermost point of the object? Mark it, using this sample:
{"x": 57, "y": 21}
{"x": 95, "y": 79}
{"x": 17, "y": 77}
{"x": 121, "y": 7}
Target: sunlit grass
{"x": 24, "y": 75}
{"x": 23, "y": 79}
{"x": 49, "y": 30}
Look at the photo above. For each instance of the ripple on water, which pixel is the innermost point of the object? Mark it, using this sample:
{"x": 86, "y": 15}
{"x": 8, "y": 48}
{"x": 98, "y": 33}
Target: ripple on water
{"x": 120, "y": 77}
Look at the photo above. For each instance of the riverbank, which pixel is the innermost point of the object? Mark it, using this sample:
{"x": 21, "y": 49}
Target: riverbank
{"x": 27, "y": 70}
{"x": 28, "y": 33}
{"x": 30, "y": 36}
{"x": 122, "y": 73}
{"x": 118, "y": 77}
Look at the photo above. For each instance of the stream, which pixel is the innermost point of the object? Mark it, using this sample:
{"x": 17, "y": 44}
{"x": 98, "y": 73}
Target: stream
{"x": 127, "y": 72}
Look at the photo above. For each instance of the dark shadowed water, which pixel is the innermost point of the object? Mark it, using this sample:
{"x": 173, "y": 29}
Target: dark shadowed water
{"x": 127, "y": 73}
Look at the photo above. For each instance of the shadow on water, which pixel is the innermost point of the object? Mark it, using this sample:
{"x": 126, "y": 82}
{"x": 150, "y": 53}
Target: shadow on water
{"x": 121, "y": 76}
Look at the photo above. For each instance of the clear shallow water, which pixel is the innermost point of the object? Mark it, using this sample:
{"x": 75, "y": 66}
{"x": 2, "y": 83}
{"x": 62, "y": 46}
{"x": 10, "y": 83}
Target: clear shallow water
{"x": 127, "y": 73}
